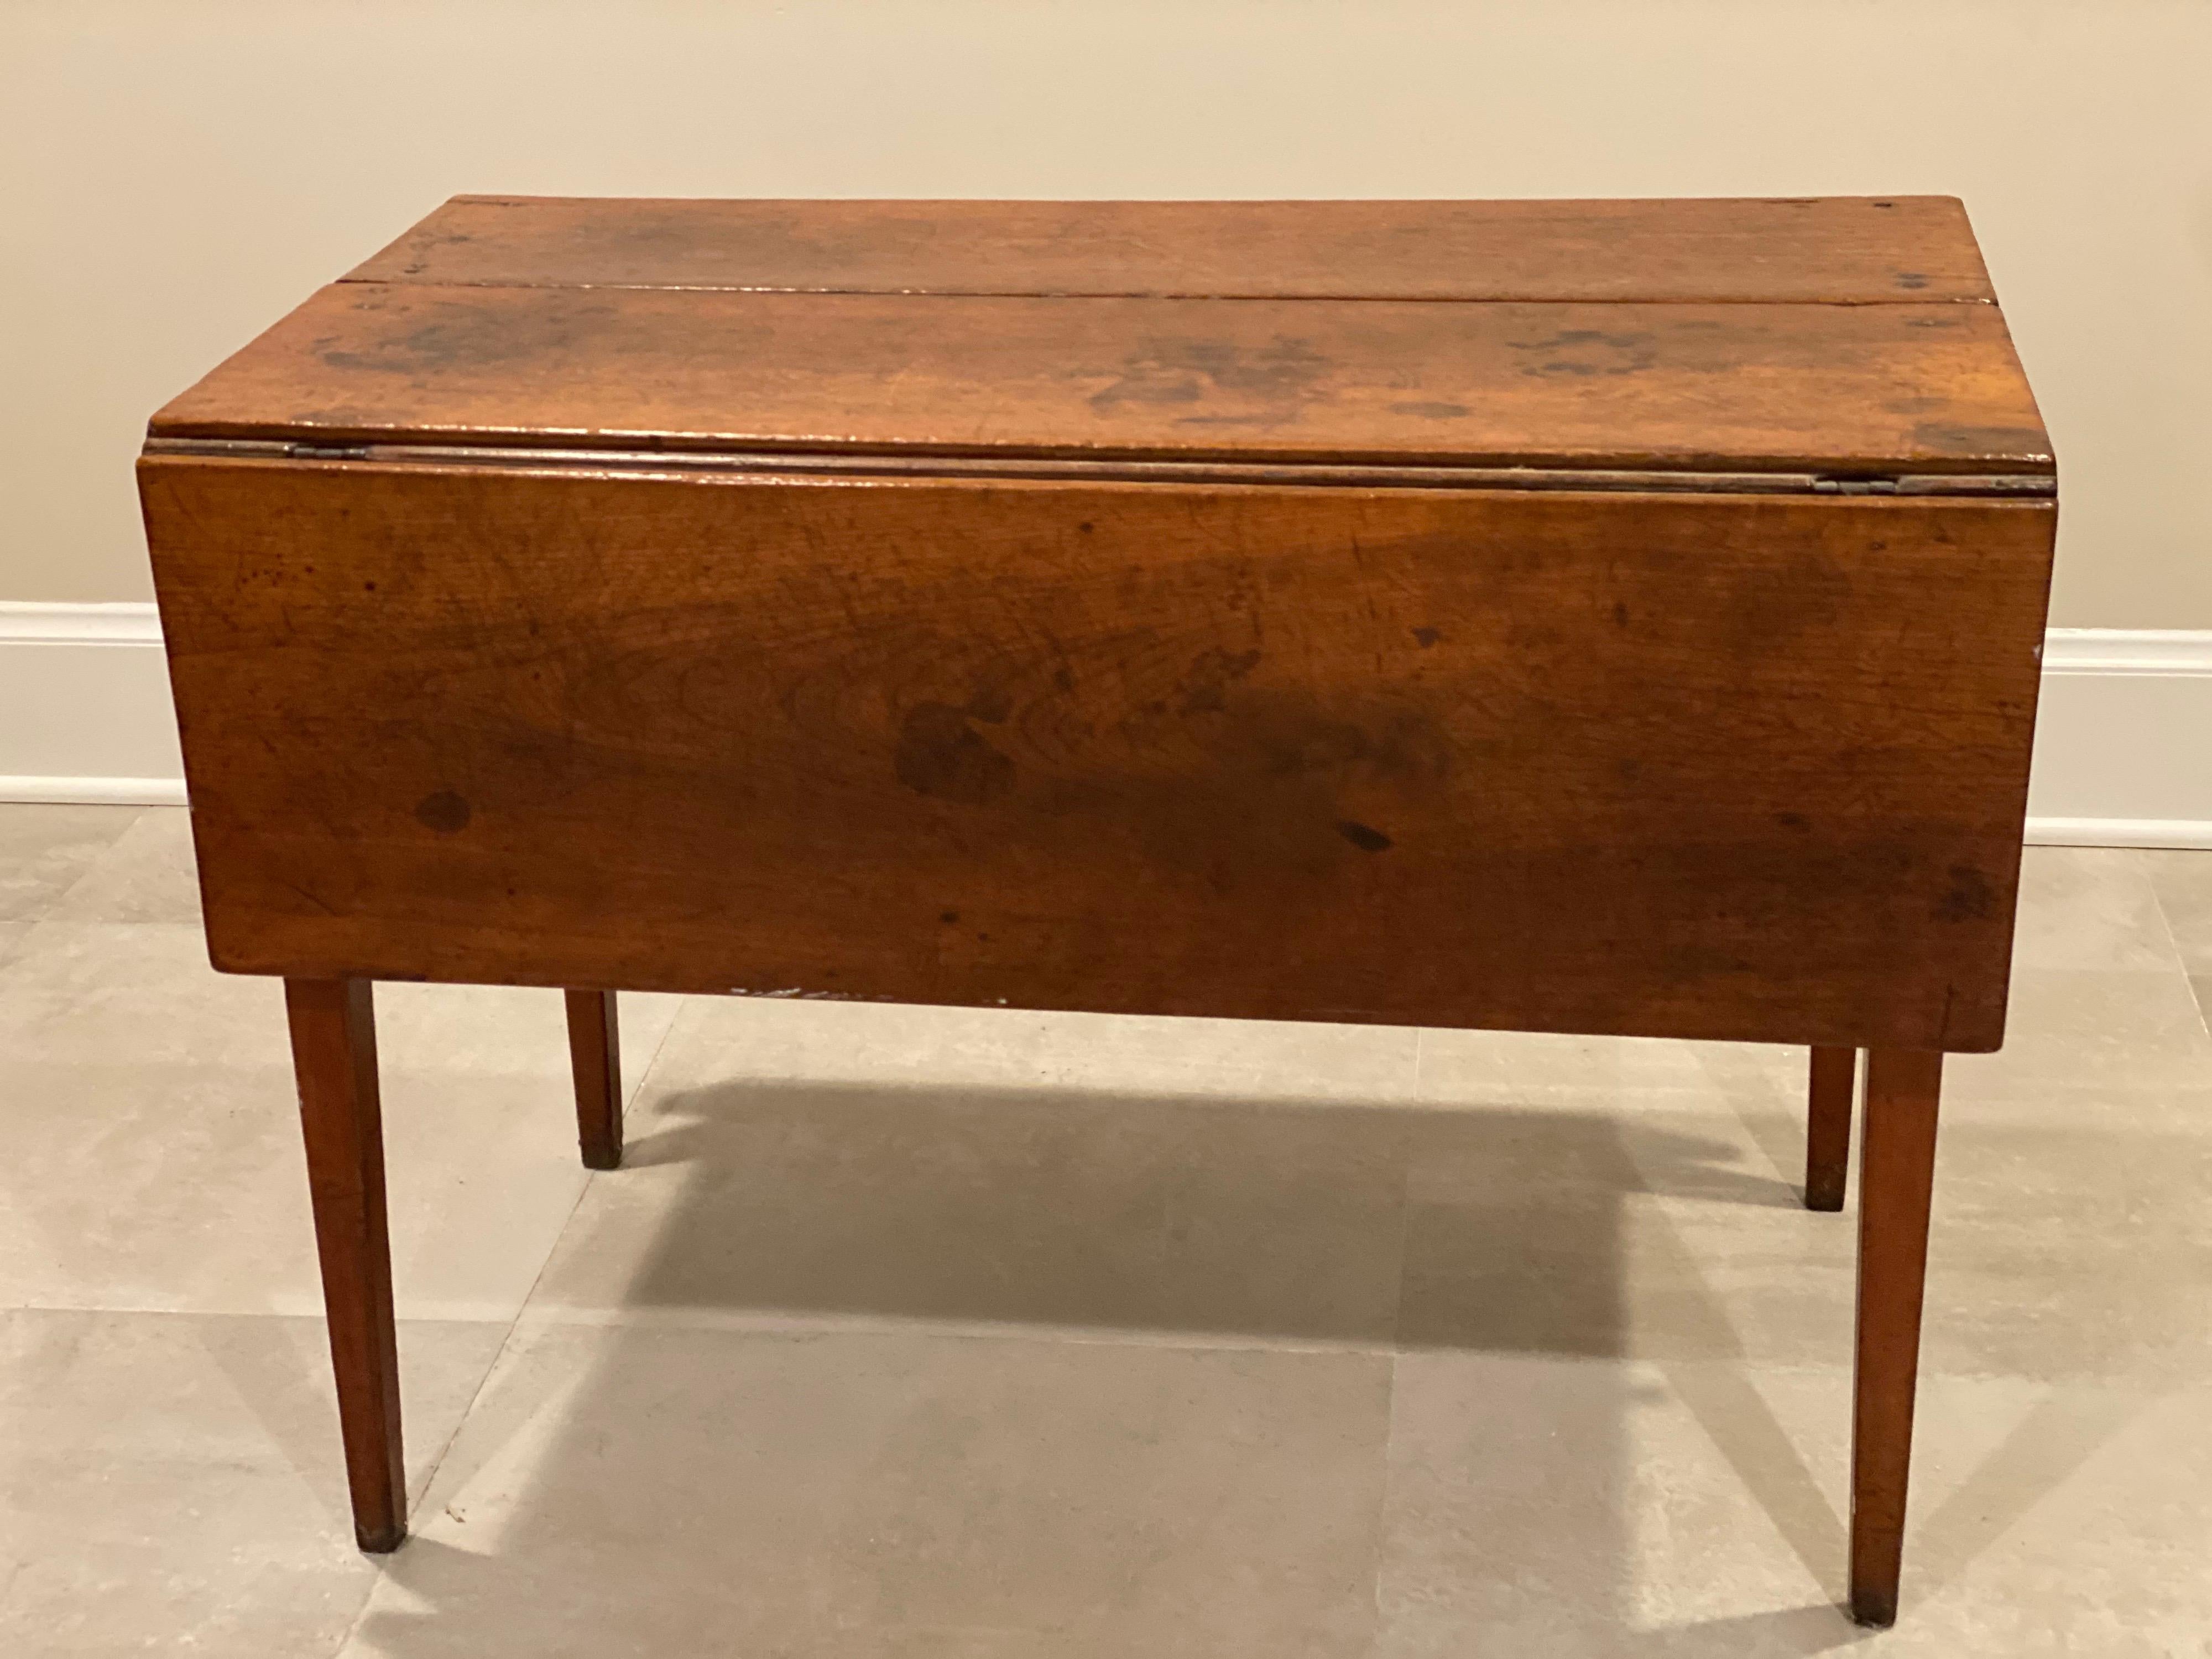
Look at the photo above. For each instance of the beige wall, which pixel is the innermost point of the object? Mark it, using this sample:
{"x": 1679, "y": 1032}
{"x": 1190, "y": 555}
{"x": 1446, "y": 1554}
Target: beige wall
{"x": 174, "y": 173}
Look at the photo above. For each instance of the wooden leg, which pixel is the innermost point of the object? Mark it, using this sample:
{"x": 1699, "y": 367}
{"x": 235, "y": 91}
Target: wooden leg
{"x": 1896, "y": 1167}
{"x": 595, "y": 1055}
{"x": 1829, "y": 1127}
{"x": 334, "y": 1055}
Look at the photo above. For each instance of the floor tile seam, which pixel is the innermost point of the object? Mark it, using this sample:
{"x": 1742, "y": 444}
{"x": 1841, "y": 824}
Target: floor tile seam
{"x": 1840, "y": 1367}
{"x": 1405, "y": 1229}
{"x": 805, "y": 1328}
{"x": 2189, "y": 976}
{"x": 1385, "y": 1495}
{"x": 1397, "y": 1325}
{"x": 484, "y": 1379}
{"x": 635, "y": 1094}
{"x": 2165, "y": 916}
{"x": 123, "y": 1310}
{"x": 46, "y": 911}
{"x": 512, "y": 1323}
{"x": 810, "y": 1326}
{"x": 380, "y": 1570}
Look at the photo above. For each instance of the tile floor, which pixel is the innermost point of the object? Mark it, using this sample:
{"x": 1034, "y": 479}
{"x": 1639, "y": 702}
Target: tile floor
{"x": 976, "y": 1335}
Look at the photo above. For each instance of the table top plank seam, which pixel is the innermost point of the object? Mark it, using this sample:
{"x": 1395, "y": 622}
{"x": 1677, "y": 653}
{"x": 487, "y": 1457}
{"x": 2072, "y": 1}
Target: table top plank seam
{"x": 1516, "y": 298}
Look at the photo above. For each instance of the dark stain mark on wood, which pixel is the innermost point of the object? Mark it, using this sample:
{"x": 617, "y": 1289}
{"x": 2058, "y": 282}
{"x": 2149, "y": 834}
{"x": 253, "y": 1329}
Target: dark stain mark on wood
{"x": 1583, "y": 337}
{"x": 1260, "y": 786}
{"x": 443, "y": 812}
{"x": 338, "y": 414}
{"x": 1912, "y": 279}
{"x": 1773, "y": 604}
{"x": 1154, "y": 386}
{"x": 1366, "y": 839}
{"x": 1205, "y": 688}
{"x": 948, "y": 915}
{"x": 1705, "y": 961}
{"x": 1582, "y": 352}
{"x": 1430, "y": 412}
{"x": 1969, "y": 898}
{"x": 1620, "y": 613}
{"x": 450, "y": 336}
{"x": 1182, "y": 371}
{"x": 992, "y": 704}
{"x": 1293, "y": 743}
{"x": 1946, "y": 438}
{"x": 940, "y": 754}
{"x": 1425, "y": 637}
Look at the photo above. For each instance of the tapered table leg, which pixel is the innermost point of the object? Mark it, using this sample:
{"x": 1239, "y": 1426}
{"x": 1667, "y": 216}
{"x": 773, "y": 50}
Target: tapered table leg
{"x": 1896, "y": 1167}
{"x": 1829, "y": 1127}
{"x": 334, "y": 1055}
{"x": 595, "y": 1056}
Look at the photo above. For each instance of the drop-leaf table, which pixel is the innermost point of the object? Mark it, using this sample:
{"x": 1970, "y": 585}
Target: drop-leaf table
{"x": 1616, "y": 617}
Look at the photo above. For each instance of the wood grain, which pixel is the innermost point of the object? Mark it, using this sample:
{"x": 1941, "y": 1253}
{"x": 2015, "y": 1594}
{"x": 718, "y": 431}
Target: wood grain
{"x": 564, "y": 683}
{"x": 1833, "y": 1077}
{"x": 595, "y": 1058}
{"x": 1722, "y": 767}
{"x": 1848, "y": 389}
{"x": 1896, "y": 1171}
{"x": 333, "y": 1026}
{"x": 1838, "y": 249}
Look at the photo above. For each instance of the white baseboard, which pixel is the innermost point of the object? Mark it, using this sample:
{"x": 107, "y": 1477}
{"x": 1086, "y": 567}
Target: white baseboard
{"x": 2124, "y": 739}
{"x": 84, "y": 706}
{"x": 2122, "y": 743}
{"x": 94, "y": 792}
{"x": 2190, "y": 833}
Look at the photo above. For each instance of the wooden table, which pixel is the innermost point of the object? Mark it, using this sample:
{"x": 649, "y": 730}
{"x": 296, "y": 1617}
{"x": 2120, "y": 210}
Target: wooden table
{"x": 1617, "y": 617}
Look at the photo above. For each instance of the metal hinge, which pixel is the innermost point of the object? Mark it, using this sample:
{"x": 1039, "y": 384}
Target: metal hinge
{"x": 1942, "y": 484}
{"x": 326, "y": 452}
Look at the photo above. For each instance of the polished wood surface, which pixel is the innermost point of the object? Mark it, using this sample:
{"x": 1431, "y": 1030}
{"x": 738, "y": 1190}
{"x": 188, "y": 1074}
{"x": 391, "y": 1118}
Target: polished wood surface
{"x": 1845, "y": 389}
{"x": 1704, "y": 766}
{"x": 595, "y": 1058}
{"x": 1852, "y": 249}
{"x": 1619, "y": 617}
{"x": 1896, "y": 1171}
{"x": 1834, "y": 1079}
{"x": 334, "y": 1025}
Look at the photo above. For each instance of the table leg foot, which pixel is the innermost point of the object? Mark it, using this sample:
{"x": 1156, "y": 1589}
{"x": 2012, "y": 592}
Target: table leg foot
{"x": 334, "y": 1058}
{"x": 595, "y": 1056}
{"x": 1829, "y": 1127}
{"x": 1875, "y": 1612}
{"x": 1896, "y": 1167}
